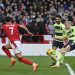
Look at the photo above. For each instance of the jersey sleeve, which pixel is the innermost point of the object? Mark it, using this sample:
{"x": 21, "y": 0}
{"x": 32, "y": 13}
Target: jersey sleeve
{"x": 64, "y": 32}
{"x": 18, "y": 25}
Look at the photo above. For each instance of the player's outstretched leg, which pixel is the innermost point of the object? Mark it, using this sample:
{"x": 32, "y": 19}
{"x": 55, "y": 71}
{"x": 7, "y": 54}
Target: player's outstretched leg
{"x": 13, "y": 60}
{"x": 27, "y": 61}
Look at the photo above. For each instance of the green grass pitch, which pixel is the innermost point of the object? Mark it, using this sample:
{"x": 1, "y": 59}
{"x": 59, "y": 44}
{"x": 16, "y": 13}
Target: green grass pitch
{"x": 43, "y": 62}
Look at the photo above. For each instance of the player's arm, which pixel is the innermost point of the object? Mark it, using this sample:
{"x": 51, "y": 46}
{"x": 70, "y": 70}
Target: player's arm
{"x": 61, "y": 37}
{"x": 25, "y": 28}
{"x": 64, "y": 37}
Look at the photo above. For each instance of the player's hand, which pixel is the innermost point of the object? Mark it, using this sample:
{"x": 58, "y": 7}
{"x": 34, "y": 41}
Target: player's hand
{"x": 31, "y": 33}
{"x": 55, "y": 37}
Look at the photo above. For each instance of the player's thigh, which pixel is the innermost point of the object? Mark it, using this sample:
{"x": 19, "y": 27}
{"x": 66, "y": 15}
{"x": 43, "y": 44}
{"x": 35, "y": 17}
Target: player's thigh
{"x": 8, "y": 46}
{"x": 70, "y": 46}
{"x": 60, "y": 44}
{"x": 17, "y": 47}
{"x": 65, "y": 49}
{"x": 18, "y": 55}
{"x": 55, "y": 44}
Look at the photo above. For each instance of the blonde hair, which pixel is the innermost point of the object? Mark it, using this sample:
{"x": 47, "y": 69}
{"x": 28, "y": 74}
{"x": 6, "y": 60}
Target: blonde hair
{"x": 69, "y": 22}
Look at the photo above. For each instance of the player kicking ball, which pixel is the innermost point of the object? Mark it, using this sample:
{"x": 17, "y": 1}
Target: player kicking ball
{"x": 70, "y": 35}
{"x": 56, "y": 56}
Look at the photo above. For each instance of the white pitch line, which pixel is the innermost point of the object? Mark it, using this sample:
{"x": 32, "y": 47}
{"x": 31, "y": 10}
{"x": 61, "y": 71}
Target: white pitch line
{"x": 70, "y": 69}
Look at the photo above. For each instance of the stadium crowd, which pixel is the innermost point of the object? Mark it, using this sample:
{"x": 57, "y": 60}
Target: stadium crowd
{"x": 37, "y": 15}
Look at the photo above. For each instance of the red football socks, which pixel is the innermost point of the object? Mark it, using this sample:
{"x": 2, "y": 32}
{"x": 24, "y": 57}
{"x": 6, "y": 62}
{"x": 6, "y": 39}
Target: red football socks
{"x": 7, "y": 52}
{"x": 26, "y": 61}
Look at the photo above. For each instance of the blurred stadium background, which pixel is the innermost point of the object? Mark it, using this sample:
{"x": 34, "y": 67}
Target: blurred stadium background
{"x": 39, "y": 17}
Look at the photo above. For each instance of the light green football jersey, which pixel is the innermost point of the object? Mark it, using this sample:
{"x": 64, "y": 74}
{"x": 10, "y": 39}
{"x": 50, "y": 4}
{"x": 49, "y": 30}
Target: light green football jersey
{"x": 71, "y": 34}
{"x": 59, "y": 30}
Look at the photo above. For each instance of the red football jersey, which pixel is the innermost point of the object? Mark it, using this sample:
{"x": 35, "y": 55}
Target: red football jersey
{"x": 11, "y": 31}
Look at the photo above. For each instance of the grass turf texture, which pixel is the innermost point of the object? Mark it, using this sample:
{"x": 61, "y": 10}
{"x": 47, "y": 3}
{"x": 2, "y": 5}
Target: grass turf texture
{"x": 43, "y": 62}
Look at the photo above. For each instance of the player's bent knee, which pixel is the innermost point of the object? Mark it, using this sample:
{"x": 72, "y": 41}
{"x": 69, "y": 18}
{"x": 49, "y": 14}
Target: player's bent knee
{"x": 3, "y": 47}
{"x": 19, "y": 59}
{"x": 18, "y": 55}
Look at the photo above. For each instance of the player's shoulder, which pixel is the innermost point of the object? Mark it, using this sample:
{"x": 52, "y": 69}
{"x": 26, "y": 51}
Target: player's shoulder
{"x": 3, "y": 26}
{"x": 73, "y": 27}
{"x": 17, "y": 25}
{"x": 14, "y": 25}
{"x": 62, "y": 24}
{"x": 55, "y": 24}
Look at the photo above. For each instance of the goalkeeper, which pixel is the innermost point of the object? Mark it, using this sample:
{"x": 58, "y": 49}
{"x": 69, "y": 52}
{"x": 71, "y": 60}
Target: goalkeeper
{"x": 56, "y": 56}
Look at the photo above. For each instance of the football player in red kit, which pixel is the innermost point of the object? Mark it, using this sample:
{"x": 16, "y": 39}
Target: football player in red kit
{"x": 13, "y": 34}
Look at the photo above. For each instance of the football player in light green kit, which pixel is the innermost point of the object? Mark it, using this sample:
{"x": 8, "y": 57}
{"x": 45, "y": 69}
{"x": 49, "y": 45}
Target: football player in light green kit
{"x": 59, "y": 32}
{"x": 70, "y": 30}
{"x": 71, "y": 38}
{"x": 56, "y": 56}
